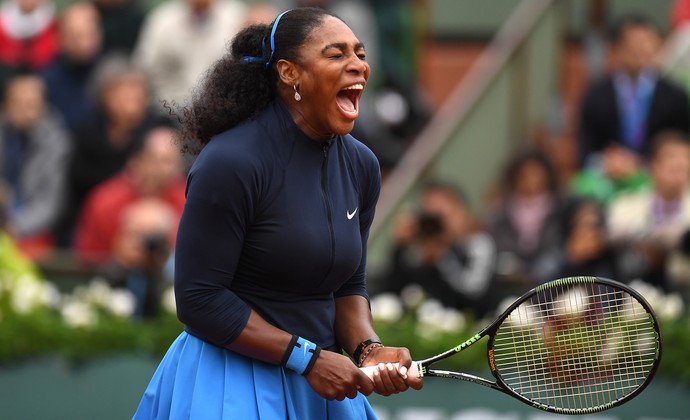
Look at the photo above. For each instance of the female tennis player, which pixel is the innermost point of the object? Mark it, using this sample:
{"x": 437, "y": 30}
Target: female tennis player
{"x": 271, "y": 252}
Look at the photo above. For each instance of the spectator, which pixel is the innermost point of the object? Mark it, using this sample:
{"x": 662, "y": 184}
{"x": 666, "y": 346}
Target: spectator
{"x": 620, "y": 173}
{"x": 180, "y": 39}
{"x": 68, "y": 77}
{"x": 103, "y": 145}
{"x": 34, "y": 152}
{"x": 440, "y": 249}
{"x": 650, "y": 223}
{"x": 629, "y": 106}
{"x": 28, "y": 36}
{"x": 141, "y": 249}
{"x": 155, "y": 170}
{"x": 121, "y": 22}
{"x": 585, "y": 250}
{"x": 525, "y": 223}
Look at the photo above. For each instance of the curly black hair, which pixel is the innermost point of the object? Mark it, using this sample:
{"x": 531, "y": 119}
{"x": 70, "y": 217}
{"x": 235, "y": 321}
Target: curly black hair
{"x": 234, "y": 90}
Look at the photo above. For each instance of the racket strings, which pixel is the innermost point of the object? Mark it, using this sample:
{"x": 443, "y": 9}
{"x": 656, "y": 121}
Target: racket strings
{"x": 576, "y": 347}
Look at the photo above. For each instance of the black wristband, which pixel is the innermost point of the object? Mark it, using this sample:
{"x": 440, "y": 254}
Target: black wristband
{"x": 315, "y": 356}
{"x": 361, "y": 346}
{"x": 288, "y": 350}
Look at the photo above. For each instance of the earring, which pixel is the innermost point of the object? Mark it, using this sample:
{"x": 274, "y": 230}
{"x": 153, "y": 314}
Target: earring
{"x": 298, "y": 97}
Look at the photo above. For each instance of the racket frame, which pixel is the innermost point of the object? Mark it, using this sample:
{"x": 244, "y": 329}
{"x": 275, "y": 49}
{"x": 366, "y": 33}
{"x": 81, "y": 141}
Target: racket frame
{"x": 490, "y": 330}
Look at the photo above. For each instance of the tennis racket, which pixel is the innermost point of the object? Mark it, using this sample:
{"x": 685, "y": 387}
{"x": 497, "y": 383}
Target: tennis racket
{"x": 576, "y": 345}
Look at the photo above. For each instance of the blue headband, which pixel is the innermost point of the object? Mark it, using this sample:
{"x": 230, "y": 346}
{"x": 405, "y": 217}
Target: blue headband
{"x": 263, "y": 45}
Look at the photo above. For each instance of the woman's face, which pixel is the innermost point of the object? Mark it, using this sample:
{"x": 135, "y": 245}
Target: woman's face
{"x": 332, "y": 73}
{"x": 126, "y": 101}
{"x": 531, "y": 179}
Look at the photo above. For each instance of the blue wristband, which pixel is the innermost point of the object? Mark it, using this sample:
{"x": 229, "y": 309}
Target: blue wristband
{"x": 301, "y": 355}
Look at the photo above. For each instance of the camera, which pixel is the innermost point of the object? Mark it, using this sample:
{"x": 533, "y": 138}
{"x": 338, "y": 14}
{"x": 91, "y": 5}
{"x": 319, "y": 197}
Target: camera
{"x": 430, "y": 225}
{"x": 156, "y": 244}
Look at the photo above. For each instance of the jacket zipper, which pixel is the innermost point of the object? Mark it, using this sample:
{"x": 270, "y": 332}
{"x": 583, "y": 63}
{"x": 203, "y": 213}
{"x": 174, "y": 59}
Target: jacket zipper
{"x": 327, "y": 204}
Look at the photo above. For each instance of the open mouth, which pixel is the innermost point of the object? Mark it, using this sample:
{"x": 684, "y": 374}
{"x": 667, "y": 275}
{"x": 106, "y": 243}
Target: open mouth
{"x": 348, "y": 99}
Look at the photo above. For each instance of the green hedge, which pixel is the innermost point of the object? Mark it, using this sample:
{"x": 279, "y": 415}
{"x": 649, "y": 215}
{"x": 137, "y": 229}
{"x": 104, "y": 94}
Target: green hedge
{"x": 43, "y": 329}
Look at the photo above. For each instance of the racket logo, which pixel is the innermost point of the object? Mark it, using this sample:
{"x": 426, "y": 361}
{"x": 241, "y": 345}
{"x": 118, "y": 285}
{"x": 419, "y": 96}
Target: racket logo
{"x": 467, "y": 343}
{"x": 491, "y": 361}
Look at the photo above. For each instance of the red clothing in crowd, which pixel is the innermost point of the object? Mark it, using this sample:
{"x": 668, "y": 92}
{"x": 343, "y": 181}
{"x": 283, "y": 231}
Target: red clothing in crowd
{"x": 98, "y": 225}
{"x": 33, "y": 53}
{"x": 680, "y": 13}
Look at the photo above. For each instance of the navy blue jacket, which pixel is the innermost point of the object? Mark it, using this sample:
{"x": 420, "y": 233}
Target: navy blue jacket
{"x": 277, "y": 222}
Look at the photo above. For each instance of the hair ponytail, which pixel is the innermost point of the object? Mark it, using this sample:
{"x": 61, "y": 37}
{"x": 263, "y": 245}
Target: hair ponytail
{"x": 231, "y": 91}
{"x": 241, "y": 84}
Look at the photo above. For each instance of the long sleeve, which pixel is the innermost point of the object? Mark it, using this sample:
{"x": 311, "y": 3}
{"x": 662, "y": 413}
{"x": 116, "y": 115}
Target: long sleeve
{"x": 221, "y": 195}
{"x": 44, "y": 181}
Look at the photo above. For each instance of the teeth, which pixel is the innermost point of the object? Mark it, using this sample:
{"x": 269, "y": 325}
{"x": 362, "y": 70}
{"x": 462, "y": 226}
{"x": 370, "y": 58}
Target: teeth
{"x": 358, "y": 86}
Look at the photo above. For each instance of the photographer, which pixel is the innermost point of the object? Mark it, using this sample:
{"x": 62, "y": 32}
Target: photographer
{"x": 141, "y": 250}
{"x": 128, "y": 225}
{"x": 440, "y": 249}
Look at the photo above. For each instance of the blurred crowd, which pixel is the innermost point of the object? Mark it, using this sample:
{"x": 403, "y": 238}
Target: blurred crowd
{"x": 624, "y": 213}
{"x": 90, "y": 166}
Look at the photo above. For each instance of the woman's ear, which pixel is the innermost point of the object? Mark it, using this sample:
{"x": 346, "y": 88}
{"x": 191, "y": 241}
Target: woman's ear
{"x": 288, "y": 72}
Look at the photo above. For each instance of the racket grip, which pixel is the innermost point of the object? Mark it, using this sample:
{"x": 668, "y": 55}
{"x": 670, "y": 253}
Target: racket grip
{"x": 415, "y": 370}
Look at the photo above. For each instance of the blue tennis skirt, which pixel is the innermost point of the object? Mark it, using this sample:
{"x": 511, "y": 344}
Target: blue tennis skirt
{"x": 198, "y": 380}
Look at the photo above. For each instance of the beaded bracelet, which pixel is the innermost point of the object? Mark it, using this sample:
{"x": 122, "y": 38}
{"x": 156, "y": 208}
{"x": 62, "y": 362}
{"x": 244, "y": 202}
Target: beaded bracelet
{"x": 300, "y": 355}
{"x": 364, "y": 355}
{"x": 357, "y": 354}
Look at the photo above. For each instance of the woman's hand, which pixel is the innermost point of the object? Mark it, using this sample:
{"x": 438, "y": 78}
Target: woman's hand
{"x": 335, "y": 377}
{"x": 387, "y": 379}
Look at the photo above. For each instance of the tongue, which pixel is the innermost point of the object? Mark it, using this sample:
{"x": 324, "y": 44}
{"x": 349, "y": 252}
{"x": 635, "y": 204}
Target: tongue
{"x": 345, "y": 103}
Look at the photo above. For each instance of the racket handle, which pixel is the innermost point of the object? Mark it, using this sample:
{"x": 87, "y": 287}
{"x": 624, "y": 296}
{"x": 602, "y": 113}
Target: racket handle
{"x": 415, "y": 370}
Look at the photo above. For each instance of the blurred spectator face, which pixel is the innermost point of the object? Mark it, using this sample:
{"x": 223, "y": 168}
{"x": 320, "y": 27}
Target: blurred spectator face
{"x": 28, "y": 6}
{"x": 80, "y": 32}
{"x": 24, "y": 101}
{"x": 200, "y": 5}
{"x": 586, "y": 239}
{"x": 454, "y": 216}
{"x": 144, "y": 234}
{"x": 670, "y": 170}
{"x": 638, "y": 49}
{"x": 260, "y": 14}
{"x": 531, "y": 179}
{"x": 125, "y": 99}
{"x": 158, "y": 164}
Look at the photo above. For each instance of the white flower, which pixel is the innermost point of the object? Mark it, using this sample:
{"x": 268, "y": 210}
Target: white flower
{"x": 525, "y": 316}
{"x": 98, "y": 292}
{"x": 573, "y": 303}
{"x": 434, "y": 319}
{"x": 652, "y": 295}
{"x": 30, "y": 294}
{"x": 412, "y": 295}
{"x": 453, "y": 321}
{"x": 505, "y": 303}
{"x": 76, "y": 313}
{"x": 121, "y": 303}
{"x": 386, "y": 307}
{"x": 168, "y": 300}
{"x": 672, "y": 308}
